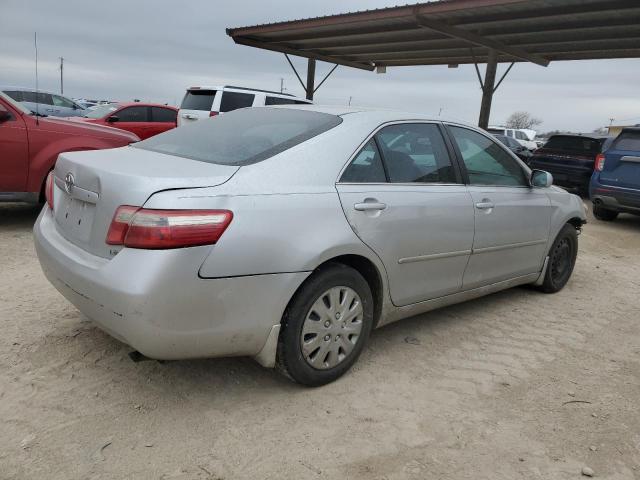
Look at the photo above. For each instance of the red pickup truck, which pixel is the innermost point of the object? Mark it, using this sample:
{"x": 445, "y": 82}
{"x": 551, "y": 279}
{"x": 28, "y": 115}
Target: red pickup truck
{"x": 30, "y": 145}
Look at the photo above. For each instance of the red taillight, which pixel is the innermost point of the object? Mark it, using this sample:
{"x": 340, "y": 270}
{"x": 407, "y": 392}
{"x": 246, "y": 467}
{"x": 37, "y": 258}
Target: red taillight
{"x": 599, "y": 165}
{"x": 48, "y": 190}
{"x": 159, "y": 229}
{"x": 212, "y": 113}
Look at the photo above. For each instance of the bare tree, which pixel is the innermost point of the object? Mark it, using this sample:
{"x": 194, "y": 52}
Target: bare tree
{"x": 522, "y": 120}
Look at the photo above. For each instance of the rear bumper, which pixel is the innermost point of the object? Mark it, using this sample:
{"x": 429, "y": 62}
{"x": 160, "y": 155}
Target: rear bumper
{"x": 618, "y": 199}
{"x": 155, "y": 301}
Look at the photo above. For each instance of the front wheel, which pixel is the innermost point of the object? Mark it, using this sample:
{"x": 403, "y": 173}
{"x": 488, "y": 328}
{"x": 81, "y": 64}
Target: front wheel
{"x": 562, "y": 259}
{"x": 325, "y": 326}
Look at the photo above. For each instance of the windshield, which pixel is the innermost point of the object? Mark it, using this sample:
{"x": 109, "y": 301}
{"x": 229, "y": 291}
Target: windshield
{"x": 242, "y": 137}
{"x": 14, "y": 104}
{"x": 574, "y": 143}
{"x": 102, "y": 110}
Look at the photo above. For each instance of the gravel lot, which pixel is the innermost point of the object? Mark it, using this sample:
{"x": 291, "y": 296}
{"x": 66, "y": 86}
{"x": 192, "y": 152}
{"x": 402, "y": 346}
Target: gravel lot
{"x": 514, "y": 385}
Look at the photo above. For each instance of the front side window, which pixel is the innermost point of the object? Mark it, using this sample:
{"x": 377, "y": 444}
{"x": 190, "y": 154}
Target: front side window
{"x": 242, "y": 137}
{"x": 59, "y": 101}
{"x": 521, "y": 136}
{"x": 366, "y": 167}
{"x": 415, "y": 153}
{"x": 235, "y": 100}
{"x": 486, "y": 162}
{"x": 279, "y": 101}
{"x": 132, "y": 114}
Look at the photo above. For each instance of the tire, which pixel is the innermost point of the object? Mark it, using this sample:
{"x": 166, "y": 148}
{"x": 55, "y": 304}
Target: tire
{"x": 322, "y": 336}
{"x": 562, "y": 260}
{"x": 603, "y": 214}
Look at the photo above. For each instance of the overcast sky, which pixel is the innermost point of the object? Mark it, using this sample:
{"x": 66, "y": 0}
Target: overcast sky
{"x": 152, "y": 50}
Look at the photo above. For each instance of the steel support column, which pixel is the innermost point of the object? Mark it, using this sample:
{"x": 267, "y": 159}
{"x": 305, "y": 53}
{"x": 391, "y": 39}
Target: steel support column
{"x": 488, "y": 87}
{"x": 311, "y": 77}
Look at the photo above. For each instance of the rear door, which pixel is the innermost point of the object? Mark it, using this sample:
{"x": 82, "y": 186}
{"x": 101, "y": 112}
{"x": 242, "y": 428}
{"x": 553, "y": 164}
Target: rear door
{"x": 162, "y": 119}
{"x": 14, "y": 159}
{"x": 622, "y": 162}
{"x": 511, "y": 218}
{"x": 196, "y": 105}
{"x": 403, "y": 197}
{"x": 134, "y": 119}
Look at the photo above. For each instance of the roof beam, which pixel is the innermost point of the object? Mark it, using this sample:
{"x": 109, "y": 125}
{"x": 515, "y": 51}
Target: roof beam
{"x": 476, "y": 39}
{"x": 312, "y": 55}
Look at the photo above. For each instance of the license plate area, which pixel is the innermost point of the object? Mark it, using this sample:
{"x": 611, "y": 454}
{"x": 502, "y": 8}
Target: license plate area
{"x": 75, "y": 218}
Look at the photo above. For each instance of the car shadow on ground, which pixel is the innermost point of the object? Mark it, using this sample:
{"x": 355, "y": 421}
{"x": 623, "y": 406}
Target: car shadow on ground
{"x": 18, "y": 215}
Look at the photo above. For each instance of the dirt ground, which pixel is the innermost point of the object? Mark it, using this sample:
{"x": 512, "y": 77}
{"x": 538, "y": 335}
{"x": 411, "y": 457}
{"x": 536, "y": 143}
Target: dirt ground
{"x": 515, "y": 385}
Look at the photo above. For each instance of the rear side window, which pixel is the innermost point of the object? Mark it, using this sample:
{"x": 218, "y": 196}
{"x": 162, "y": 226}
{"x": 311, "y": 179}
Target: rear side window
{"x": 629, "y": 141}
{"x": 159, "y": 114}
{"x": 279, "y": 101}
{"x": 198, "y": 100}
{"x": 132, "y": 114}
{"x": 17, "y": 96}
{"x": 40, "y": 97}
{"x": 242, "y": 137}
{"x": 235, "y": 100}
{"x": 366, "y": 167}
{"x": 574, "y": 143}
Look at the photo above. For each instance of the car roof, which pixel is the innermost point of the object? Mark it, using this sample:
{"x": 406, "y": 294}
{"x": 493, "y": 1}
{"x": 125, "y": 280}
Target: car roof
{"x": 234, "y": 87}
{"x": 142, "y": 104}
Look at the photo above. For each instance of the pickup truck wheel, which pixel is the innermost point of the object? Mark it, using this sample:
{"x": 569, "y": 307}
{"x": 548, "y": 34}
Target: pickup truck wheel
{"x": 603, "y": 214}
{"x": 562, "y": 259}
{"x": 325, "y": 326}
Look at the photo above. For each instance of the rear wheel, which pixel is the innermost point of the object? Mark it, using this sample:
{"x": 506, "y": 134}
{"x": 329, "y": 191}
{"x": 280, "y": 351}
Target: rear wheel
{"x": 562, "y": 259}
{"x": 325, "y": 326}
{"x": 603, "y": 214}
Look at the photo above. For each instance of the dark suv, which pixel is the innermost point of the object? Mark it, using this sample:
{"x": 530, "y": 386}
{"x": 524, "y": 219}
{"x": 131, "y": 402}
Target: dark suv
{"x": 615, "y": 184}
{"x": 570, "y": 159}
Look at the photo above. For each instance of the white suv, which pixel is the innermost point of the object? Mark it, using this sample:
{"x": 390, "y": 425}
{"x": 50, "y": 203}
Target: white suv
{"x": 202, "y": 102}
{"x": 523, "y": 136}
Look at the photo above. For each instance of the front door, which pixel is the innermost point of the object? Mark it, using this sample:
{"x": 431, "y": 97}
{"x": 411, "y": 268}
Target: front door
{"x": 403, "y": 197}
{"x": 512, "y": 220}
{"x": 133, "y": 119}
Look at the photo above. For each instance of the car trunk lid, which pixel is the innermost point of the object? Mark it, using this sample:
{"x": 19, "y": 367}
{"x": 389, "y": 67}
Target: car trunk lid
{"x": 90, "y": 186}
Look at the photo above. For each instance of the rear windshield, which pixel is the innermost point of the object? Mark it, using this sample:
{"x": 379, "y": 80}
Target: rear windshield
{"x": 574, "y": 143}
{"x": 198, "y": 100}
{"x": 242, "y": 137}
{"x": 628, "y": 141}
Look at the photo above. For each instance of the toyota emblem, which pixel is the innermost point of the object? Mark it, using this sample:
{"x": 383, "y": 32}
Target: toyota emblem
{"x": 69, "y": 182}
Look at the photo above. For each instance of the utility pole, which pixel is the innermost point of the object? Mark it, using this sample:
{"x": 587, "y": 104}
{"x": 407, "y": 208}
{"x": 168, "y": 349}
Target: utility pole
{"x": 282, "y": 89}
{"x": 61, "y": 76}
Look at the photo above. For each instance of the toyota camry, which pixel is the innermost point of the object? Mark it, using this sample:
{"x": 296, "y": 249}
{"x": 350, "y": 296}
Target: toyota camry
{"x": 289, "y": 233}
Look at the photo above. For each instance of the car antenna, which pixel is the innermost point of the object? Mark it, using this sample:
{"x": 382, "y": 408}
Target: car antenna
{"x": 35, "y": 43}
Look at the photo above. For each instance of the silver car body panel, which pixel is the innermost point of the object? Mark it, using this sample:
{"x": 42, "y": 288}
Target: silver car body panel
{"x": 290, "y": 216}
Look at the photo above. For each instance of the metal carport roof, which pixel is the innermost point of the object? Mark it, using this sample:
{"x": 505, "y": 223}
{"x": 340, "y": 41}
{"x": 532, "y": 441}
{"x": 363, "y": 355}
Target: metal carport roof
{"x": 453, "y": 32}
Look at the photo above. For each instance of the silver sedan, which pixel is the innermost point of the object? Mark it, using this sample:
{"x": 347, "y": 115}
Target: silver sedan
{"x": 288, "y": 234}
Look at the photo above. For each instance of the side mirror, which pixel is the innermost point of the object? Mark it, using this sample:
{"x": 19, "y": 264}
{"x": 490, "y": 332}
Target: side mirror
{"x": 540, "y": 178}
{"x": 113, "y": 118}
{"x": 4, "y": 116}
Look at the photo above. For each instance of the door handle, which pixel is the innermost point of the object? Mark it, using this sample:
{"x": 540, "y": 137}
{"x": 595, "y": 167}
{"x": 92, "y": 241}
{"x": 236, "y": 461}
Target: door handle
{"x": 485, "y": 205}
{"x": 368, "y": 206}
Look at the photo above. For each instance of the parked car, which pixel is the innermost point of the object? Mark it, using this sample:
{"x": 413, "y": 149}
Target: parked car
{"x": 289, "y": 233}
{"x": 30, "y": 145}
{"x": 570, "y": 159}
{"x": 523, "y": 136}
{"x": 523, "y": 153}
{"x": 47, "y": 103}
{"x": 615, "y": 184}
{"x": 203, "y": 102}
{"x": 143, "y": 119}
